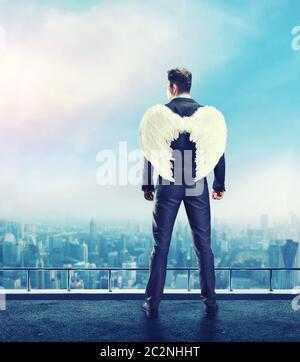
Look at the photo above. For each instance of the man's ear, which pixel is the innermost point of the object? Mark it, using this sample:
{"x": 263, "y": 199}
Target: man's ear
{"x": 175, "y": 89}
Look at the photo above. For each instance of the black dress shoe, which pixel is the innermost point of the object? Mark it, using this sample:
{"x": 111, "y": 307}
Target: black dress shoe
{"x": 150, "y": 313}
{"x": 211, "y": 307}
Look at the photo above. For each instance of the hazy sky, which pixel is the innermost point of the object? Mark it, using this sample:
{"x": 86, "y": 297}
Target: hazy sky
{"x": 76, "y": 77}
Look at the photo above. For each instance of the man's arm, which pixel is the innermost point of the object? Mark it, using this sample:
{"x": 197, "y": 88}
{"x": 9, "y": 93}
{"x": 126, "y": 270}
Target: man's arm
{"x": 219, "y": 173}
{"x": 147, "y": 183}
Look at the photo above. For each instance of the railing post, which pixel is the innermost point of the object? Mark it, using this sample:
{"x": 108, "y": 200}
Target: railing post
{"x": 270, "y": 280}
{"x": 68, "y": 280}
{"x": 109, "y": 280}
{"x": 188, "y": 280}
{"x": 230, "y": 280}
{"x": 28, "y": 280}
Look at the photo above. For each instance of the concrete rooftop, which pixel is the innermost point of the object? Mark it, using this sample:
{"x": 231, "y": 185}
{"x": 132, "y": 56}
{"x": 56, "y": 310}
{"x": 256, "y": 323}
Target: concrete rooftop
{"x": 123, "y": 320}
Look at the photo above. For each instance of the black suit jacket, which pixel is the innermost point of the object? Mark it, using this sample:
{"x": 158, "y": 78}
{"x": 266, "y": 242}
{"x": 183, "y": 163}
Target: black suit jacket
{"x": 184, "y": 107}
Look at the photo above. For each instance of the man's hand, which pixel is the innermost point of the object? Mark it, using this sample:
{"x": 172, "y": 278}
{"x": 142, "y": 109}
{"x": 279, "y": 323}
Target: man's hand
{"x": 148, "y": 195}
{"x": 217, "y": 195}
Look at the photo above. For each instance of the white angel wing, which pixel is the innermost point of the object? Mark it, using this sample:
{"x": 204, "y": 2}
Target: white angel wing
{"x": 157, "y": 130}
{"x": 160, "y": 126}
{"x": 209, "y": 132}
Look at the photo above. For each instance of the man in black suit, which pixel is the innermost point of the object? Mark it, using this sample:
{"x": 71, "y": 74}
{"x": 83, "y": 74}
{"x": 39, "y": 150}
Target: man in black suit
{"x": 167, "y": 198}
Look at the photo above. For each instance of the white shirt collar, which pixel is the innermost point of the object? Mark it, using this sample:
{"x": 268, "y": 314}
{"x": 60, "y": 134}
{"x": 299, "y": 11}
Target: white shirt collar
{"x": 183, "y": 96}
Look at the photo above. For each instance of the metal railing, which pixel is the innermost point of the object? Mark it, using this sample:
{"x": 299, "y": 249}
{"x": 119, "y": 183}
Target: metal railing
{"x": 109, "y": 271}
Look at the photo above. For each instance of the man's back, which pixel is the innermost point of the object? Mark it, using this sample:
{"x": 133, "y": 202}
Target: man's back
{"x": 185, "y": 156}
{"x": 185, "y": 162}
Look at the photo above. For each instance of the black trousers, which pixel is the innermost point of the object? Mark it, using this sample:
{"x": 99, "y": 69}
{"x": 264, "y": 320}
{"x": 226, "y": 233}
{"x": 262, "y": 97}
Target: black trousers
{"x": 167, "y": 200}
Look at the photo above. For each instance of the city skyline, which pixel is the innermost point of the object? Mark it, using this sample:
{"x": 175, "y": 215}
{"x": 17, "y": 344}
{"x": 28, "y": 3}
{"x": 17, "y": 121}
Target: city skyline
{"x": 128, "y": 245}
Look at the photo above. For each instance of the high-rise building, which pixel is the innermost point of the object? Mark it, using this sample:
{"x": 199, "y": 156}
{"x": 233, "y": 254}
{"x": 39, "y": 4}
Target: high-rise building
{"x": 129, "y": 276}
{"x": 85, "y": 253}
{"x": 92, "y": 235}
{"x": 289, "y": 251}
{"x": 10, "y": 251}
{"x": 282, "y": 254}
{"x": 40, "y": 281}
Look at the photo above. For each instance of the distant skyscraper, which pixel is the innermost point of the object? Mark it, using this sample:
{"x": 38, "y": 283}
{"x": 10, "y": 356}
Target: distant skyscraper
{"x": 282, "y": 254}
{"x": 10, "y": 250}
{"x": 275, "y": 257}
{"x": 129, "y": 276}
{"x": 113, "y": 259}
{"x": 123, "y": 239}
{"x": 40, "y": 282}
{"x": 289, "y": 251}
{"x": 93, "y": 235}
{"x": 85, "y": 253}
{"x": 264, "y": 222}
{"x": 16, "y": 228}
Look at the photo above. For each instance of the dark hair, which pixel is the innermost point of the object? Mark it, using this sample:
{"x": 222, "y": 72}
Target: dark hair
{"x": 181, "y": 77}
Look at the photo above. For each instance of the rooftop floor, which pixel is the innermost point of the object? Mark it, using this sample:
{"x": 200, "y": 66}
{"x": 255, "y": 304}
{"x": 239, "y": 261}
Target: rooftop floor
{"x": 123, "y": 320}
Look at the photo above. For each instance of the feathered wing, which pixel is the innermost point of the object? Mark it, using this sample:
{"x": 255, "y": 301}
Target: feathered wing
{"x": 160, "y": 126}
{"x": 157, "y": 130}
{"x": 209, "y": 132}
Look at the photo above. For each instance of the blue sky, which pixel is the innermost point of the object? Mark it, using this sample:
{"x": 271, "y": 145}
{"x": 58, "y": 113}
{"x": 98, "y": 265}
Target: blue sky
{"x": 78, "y": 76}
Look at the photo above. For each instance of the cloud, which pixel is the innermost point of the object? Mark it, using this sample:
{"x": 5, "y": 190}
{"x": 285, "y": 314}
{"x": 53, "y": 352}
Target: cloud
{"x": 68, "y": 63}
{"x": 66, "y": 73}
{"x": 59, "y": 65}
